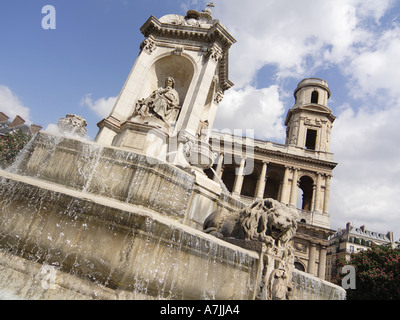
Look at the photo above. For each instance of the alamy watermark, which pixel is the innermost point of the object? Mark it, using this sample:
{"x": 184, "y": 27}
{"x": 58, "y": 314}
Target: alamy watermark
{"x": 237, "y": 146}
{"x": 349, "y": 281}
{"x": 47, "y": 277}
{"x": 49, "y": 20}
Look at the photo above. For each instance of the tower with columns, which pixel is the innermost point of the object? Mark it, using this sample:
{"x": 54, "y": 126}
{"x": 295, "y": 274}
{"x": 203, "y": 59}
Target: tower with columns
{"x": 297, "y": 173}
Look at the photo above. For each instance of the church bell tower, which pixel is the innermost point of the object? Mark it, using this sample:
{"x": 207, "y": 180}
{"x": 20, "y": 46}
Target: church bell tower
{"x": 310, "y": 121}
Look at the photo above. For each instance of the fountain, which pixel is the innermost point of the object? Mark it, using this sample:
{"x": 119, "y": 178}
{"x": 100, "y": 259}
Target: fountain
{"x": 111, "y": 219}
{"x": 73, "y": 228}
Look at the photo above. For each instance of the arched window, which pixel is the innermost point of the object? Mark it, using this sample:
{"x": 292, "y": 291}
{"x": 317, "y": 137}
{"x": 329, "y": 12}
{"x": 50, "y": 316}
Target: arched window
{"x": 299, "y": 266}
{"x": 228, "y": 178}
{"x": 249, "y": 185}
{"x": 306, "y": 193}
{"x": 272, "y": 186}
{"x": 314, "y": 97}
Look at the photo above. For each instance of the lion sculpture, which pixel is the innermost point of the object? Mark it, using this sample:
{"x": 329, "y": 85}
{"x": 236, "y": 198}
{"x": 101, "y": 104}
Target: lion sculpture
{"x": 267, "y": 220}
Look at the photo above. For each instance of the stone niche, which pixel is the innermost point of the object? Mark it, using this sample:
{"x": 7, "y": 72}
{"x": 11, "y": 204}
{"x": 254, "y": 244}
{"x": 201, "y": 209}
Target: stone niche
{"x": 176, "y": 66}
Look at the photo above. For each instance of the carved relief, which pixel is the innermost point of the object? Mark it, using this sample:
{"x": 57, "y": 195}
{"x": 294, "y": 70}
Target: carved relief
{"x": 178, "y": 51}
{"x": 299, "y": 246}
{"x": 73, "y": 124}
{"x": 295, "y": 133}
{"x": 219, "y": 96}
{"x": 214, "y": 52}
{"x": 278, "y": 283}
{"x": 274, "y": 225}
{"x": 148, "y": 45}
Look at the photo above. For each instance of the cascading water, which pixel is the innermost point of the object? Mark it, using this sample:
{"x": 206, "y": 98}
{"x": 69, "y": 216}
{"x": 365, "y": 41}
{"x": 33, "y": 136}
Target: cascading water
{"x": 82, "y": 221}
{"x": 221, "y": 183}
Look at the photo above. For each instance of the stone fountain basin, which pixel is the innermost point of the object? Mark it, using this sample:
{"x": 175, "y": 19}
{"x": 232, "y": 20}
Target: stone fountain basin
{"x": 99, "y": 245}
{"x": 82, "y": 221}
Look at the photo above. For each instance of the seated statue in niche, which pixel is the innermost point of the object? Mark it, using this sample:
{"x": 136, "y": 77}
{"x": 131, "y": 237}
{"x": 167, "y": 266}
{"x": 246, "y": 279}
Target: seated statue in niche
{"x": 163, "y": 104}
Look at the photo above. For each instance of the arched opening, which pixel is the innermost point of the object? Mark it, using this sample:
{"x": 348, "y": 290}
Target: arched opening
{"x": 180, "y": 68}
{"x": 314, "y": 97}
{"x": 305, "y": 193}
{"x": 249, "y": 185}
{"x": 272, "y": 186}
{"x": 299, "y": 266}
{"x": 228, "y": 178}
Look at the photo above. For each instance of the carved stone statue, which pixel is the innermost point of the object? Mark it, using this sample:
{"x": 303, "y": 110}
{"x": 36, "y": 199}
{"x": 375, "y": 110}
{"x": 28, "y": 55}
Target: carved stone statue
{"x": 72, "y": 124}
{"x": 270, "y": 224}
{"x": 163, "y": 103}
{"x": 267, "y": 220}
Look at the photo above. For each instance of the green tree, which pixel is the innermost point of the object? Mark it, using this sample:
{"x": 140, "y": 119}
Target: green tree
{"x": 10, "y": 145}
{"x": 377, "y": 274}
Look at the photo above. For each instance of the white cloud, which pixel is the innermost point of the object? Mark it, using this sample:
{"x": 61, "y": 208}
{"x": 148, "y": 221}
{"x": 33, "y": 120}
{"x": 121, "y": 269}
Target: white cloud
{"x": 296, "y": 36}
{"x": 257, "y": 109}
{"x": 12, "y": 106}
{"x": 376, "y": 69}
{"x": 366, "y": 181}
{"x": 300, "y": 38}
{"x": 102, "y": 107}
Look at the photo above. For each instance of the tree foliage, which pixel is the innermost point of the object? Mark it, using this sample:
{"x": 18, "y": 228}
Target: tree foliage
{"x": 377, "y": 274}
{"x": 10, "y": 145}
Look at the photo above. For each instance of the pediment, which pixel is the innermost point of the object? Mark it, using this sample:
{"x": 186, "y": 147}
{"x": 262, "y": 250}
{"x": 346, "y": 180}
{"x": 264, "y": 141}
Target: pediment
{"x": 316, "y": 108}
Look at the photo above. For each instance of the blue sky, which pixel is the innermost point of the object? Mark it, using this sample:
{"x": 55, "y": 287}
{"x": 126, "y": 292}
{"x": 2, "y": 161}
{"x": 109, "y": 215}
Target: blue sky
{"x": 81, "y": 66}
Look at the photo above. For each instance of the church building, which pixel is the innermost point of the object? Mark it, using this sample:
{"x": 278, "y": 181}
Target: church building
{"x": 297, "y": 173}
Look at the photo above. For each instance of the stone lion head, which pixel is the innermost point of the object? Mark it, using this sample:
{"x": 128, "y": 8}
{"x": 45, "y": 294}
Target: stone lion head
{"x": 266, "y": 219}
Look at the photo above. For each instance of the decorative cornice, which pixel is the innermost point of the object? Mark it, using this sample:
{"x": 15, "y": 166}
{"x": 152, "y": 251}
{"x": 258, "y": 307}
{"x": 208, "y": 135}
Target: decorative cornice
{"x": 217, "y": 33}
{"x": 215, "y": 36}
{"x": 272, "y": 154}
{"x": 312, "y": 108}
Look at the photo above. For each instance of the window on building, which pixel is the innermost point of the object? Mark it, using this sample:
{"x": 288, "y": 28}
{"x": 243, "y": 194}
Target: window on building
{"x": 228, "y": 178}
{"x": 299, "y": 266}
{"x": 305, "y": 193}
{"x": 314, "y": 97}
{"x": 272, "y": 186}
{"x": 311, "y": 139}
{"x": 351, "y": 249}
{"x": 249, "y": 185}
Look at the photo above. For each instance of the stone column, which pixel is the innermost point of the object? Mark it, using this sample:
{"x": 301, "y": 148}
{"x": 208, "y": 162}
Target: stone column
{"x": 317, "y": 202}
{"x": 294, "y": 189}
{"x": 285, "y": 187}
{"x": 314, "y": 191}
{"x": 322, "y": 263}
{"x": 218, "y": 170}
{"x": 222, "y": 171}
{"x": 237, "y": 186}
{"x": 327, "y": 193}
{"x": 261, "y": 181}
{"x": 311, "y": 261}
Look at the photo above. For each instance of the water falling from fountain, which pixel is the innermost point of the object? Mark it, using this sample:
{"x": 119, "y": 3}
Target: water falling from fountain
{"x": 82, "y": 221}
{"x": 221, "y": 183}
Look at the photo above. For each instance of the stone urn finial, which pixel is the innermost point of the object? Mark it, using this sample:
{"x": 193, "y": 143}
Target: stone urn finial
{"x": 73, "y": 124}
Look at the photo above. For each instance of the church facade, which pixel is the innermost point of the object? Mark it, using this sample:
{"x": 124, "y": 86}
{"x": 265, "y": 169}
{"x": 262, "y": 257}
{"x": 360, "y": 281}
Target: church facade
{"x": 297, "y": 173}
{"x": 166, "y": 110}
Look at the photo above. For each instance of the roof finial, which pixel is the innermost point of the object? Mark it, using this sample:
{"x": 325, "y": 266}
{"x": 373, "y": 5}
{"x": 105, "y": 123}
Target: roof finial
{"x": 209, "y": 6}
